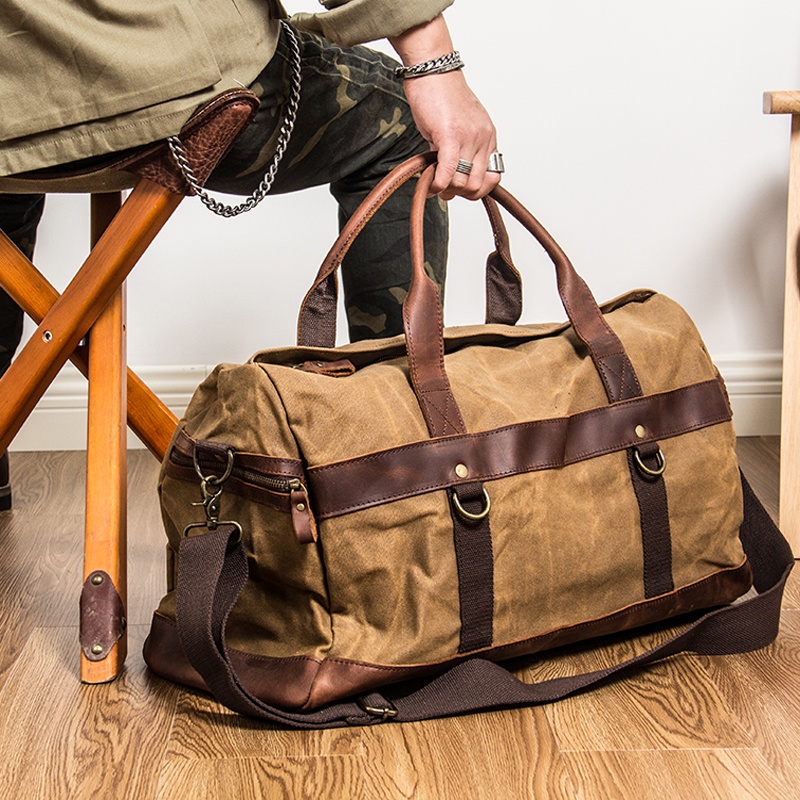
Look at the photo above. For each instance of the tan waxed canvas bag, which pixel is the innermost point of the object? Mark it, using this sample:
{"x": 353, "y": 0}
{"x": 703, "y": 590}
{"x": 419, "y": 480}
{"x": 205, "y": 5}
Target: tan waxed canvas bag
{"x": 359, "y": 533}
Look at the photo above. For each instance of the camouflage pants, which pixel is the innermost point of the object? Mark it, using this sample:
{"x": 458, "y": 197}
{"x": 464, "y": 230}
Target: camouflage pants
{"x": 19, "y": 217}
{"x": 353, "y": 126}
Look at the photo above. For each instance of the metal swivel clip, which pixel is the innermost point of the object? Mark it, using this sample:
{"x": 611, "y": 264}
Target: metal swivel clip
{"x": 211, "y": 487}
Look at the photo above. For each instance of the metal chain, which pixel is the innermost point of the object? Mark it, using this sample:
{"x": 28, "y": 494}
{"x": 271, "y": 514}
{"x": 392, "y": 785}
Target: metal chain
{"x": 446, "y": 63}
{"x": 224, "y": 210}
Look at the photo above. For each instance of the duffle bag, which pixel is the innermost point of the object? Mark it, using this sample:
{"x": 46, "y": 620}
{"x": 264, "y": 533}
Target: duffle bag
{"x": 362, "y": 533}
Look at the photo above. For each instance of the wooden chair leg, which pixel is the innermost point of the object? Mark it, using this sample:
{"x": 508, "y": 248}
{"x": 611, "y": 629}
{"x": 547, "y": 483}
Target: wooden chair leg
{"x": 148, "y": 417}
{"x": 68, "y": 321}
{"x": 104, "y": 596}
{"x": 789, "y": 103}
{"x": 790, "y": 402}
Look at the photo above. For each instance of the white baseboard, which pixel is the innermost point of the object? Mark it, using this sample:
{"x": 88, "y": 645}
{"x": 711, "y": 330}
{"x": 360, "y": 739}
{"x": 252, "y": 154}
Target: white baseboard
{"x": 59, "y": 421}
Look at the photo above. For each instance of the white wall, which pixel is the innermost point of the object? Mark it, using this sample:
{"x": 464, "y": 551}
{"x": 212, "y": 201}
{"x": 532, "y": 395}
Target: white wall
{"x": 633, "y": 130}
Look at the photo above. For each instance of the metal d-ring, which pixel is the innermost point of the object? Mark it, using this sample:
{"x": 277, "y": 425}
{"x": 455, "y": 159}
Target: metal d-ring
{"x": 213, "y": 480}
{"x": 467, "y": 514}
{"x": 653, "y": 473}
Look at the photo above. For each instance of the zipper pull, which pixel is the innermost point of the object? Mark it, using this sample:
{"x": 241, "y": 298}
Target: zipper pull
{"x": 305, "y": 528}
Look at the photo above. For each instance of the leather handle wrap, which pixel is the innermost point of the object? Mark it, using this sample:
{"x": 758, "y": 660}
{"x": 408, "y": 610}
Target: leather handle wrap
{"x": 317, "y": 320}
{"x": 424, "y": 327}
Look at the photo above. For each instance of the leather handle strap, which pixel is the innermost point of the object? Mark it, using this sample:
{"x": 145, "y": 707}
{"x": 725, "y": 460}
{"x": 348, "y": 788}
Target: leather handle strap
{"x": 424, "y": 327}
{"x": 316, "y": 324}
{"x": 213, "y": 571}
{"x": 613, "y": 365}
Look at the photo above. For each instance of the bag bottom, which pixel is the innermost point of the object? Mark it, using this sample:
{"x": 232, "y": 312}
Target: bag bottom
{"x": 303, "y": 683}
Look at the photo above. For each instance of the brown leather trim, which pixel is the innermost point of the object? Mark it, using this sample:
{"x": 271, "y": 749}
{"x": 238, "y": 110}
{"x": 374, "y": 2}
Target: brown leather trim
{"x": 423, "y": 325}
{"x": 345, "y": 486}
{"x": 256, "y": 494}
{"x": 266, "y": 465}
{"x": 339, "y": 678}
{"x": 102, "y": 616}
{"x": 285, "y": 682}
{"x": 240, "y": 484}
{"x": 305, "y": 683}
{"x": 316, "y": 321}
{"x": 503, "y": 281}
{"x": 608, "y": 354}
{"x": 206, "y": 138}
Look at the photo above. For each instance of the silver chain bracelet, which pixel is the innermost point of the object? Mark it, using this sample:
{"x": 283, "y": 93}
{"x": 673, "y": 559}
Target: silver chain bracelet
{"x": 261, "y": 191}
{"x": 446, "y": 63}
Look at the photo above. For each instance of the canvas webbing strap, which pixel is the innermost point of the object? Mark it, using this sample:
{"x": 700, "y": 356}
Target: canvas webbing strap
{"x": 213, "y": 571}
{"x": 472, "y": 538}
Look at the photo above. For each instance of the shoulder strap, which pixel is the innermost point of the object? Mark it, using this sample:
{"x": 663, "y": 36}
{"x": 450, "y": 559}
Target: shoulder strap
{"x": 213, "y": 571}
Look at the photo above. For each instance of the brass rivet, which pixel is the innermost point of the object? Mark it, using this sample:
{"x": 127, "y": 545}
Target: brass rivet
{"x": 640, "y": 431}
{"x": 47, "y": 336}
{"x": 462, "y": 470}
{"x": 97, "y": 649}
{"x": 301, "y": 506}
{"x": 97, "y": 579}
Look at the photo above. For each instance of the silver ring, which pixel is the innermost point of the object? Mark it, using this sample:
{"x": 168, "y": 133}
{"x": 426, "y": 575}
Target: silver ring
{"x": 464, "y": 167}
{"x": 496, "y": 163}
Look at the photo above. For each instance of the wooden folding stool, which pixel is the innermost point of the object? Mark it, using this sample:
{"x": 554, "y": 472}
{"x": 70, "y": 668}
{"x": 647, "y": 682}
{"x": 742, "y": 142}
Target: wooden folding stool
{"x": 789, "y": 103}
{"x": 94, "y": 304}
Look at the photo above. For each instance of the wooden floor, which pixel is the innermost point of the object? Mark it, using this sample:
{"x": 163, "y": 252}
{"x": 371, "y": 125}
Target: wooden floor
{"x": 690, "y": 728}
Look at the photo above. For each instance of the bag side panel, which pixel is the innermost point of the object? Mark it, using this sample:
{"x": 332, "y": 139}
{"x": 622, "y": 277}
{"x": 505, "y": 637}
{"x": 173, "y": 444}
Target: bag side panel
{"x": 283, "y": 610}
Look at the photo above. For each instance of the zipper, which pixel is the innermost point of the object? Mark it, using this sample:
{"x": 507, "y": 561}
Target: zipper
{"x": 303, "y": 521}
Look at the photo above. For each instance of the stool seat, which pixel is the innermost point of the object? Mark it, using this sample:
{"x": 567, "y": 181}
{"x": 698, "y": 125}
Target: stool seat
{"x": 204, "y": 134}
{"x": 92, "y": 308}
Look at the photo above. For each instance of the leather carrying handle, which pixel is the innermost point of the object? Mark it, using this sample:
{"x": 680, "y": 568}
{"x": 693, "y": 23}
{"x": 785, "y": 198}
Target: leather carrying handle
{"x": 316, "y": 324}
{"x": 212, "y": 574}
{"x": 317, "y": 319}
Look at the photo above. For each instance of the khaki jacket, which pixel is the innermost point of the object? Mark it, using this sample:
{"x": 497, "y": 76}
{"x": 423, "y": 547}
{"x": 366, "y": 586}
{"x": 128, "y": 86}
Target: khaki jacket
{"x": 80, "y": 78}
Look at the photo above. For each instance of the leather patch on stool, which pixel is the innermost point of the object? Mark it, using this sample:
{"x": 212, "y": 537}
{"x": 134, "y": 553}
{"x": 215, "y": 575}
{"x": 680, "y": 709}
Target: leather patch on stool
{"x": 102, "y": 616}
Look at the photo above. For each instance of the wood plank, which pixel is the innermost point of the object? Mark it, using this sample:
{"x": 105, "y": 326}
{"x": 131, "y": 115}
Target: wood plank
{"x": 204, "y": 729}
{"x": 508, "y": 754}
{"x": 673, "y": 704}
{"x": 683, "y": 775}
{"x": 762, "y": 689}
{"x": 56, "y": 727}
{"x": 63, "y": 739}
{"x": 291, "y": 778}
{"x": 47, "y": 484}
{"x": 146, "y": 538}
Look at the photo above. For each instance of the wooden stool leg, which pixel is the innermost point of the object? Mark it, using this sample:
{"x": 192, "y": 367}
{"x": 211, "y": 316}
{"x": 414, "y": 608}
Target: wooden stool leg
{"x": 105, "y": 542}
{"x": 790, "y": 405}
{"x": 143, "y": 215}
{"x": 148, "y": 417}
{"x": 104, "y": 597}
